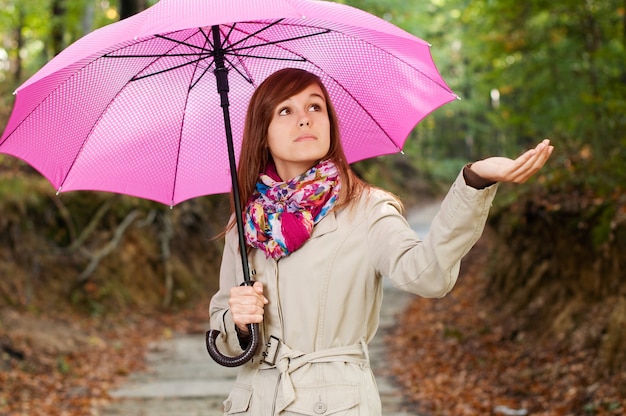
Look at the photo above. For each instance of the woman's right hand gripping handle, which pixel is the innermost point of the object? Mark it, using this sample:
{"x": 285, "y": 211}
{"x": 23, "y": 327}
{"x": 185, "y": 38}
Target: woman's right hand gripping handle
{"x": 246, "y": 306}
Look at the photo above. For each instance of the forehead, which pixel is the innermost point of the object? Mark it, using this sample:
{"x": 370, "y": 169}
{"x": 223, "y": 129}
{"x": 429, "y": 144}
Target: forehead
{"x": 311, "y": 90}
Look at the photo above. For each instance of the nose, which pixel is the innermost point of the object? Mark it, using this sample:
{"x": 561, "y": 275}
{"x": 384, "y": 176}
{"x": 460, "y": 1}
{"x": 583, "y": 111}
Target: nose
{"x": 304, "y": 121}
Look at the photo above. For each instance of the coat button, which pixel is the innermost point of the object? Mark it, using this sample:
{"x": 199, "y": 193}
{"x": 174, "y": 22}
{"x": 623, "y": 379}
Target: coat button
{"x": 319, "y": 408}
{"x": 227, "y": 405}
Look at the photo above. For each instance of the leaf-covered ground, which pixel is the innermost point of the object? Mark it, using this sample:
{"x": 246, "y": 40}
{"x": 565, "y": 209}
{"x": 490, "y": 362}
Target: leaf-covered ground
{"x": 453, "y": 358}
{"x": 64, "y": 365}
{"x": 450, "y": 355}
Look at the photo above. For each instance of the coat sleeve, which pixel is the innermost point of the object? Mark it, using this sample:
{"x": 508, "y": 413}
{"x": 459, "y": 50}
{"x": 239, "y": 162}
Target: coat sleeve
{"x": 221, "y": 318}
{"x": 428, "y": 268}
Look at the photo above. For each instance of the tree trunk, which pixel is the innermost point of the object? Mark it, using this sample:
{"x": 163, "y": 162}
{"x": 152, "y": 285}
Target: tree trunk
{"x": 131, "y": 7}
{"x": 57, "y": 32}
{"x": 87, "y": 18}
{"x": 19, "y": 43}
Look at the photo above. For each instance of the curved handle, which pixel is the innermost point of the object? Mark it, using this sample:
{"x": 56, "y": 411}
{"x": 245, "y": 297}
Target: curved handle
{"x": 227, "y": 361}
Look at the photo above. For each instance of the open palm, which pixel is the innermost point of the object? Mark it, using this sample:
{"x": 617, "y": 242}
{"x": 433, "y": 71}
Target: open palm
{"x": 502, "y": 169}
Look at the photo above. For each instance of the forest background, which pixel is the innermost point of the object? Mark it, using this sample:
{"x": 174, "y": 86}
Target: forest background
{"x": 524, "y": 70}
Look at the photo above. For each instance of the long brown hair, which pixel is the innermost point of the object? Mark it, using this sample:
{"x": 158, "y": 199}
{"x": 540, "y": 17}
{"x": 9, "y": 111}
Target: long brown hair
{"x": 255, "y": 154}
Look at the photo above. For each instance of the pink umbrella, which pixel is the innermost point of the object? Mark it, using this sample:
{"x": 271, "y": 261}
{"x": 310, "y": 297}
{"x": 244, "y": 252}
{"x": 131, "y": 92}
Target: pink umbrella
{"x": 133, "y": 108}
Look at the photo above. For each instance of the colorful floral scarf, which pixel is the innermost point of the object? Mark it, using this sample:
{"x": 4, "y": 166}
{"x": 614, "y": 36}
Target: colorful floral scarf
{"x": 280, "y": 216}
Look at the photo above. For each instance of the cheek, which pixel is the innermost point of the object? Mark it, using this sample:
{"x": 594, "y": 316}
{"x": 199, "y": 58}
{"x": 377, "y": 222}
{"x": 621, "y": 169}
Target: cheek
{"x": 276, "y": 147}
{"x": 273, "y": 137}
{"x": 327, "y": 135}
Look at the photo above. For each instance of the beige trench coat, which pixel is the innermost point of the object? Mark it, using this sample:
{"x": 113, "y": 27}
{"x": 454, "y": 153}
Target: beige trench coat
{"x": 325, "y": 298}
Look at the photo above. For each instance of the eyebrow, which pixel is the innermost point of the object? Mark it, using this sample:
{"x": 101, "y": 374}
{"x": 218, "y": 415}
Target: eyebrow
{"x": 313, "y": 94}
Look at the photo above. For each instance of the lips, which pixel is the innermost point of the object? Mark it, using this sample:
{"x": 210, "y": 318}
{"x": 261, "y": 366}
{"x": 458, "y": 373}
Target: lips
{"x": 305, "y": 137}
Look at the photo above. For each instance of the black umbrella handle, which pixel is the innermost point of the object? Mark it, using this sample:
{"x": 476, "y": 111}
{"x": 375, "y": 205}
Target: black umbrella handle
{"x": 227, "y": 361}
{"x": 244, "y": 357}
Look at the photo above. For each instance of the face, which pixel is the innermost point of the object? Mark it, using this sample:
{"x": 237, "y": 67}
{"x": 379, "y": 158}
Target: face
{"x": 299, "y": 133}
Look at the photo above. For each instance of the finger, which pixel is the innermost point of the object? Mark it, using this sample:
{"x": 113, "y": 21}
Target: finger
{"x": 544, "y": 155}
{"x": 247, "y": 309}
{"x": 246, "y": 302}
{"x": 535, "y": 163}
{"x": 242, "y": 320}
{"x": 258, "y": 288}
{"x": 544, "y": 150}
{"x": 521, "y": 166}
{"x": 242, "y": 291}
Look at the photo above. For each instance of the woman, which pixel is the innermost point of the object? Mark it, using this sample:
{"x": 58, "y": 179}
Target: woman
{"x": 320, "y": 242}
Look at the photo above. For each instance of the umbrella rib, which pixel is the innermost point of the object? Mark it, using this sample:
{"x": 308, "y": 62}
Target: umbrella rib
{"x": 269, "y": 58}
{"x": 159, "y": 55}
{"x": 275, "y": 42}
{"x": 180, "y": 42}
{"x": 202, "y": 75}
{"x": 249, "y": 35}
{"x": 231, "y": 29}
{"x": 232, "y": 50}
{"x": 195, "y": 61}
{"x": 247, "y": 78}
{"x": 210, "y": 43}
{"x": 182, "y": 124}
{"x": 201, "y": 56}
{"x": 208, "y": 40}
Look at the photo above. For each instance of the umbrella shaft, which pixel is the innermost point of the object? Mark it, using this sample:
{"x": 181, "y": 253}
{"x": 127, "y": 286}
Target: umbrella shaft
{"x": 221, "y": 75}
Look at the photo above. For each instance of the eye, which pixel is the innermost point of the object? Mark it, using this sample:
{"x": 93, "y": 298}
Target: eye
{"x": 283, "y": 111}
{"x": 315, "y": 107}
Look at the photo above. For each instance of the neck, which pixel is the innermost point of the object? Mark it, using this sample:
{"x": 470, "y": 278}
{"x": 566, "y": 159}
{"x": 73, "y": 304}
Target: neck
{"x": 286, "y": 173}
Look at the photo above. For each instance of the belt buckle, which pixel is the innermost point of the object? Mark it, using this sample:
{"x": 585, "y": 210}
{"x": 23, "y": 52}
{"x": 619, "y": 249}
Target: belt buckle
{"x": 271, "y": 351}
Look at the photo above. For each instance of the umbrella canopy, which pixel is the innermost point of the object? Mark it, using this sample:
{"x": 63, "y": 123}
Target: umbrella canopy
{"x": 133, "y": 107}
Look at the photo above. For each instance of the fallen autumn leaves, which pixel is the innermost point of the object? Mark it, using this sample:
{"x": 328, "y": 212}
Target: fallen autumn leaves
{"x": 65, "y": 366}
{"x": 452, "y": 357}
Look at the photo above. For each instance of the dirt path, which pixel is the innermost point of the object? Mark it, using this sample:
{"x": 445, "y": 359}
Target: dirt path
{"x": 182, "y": 380}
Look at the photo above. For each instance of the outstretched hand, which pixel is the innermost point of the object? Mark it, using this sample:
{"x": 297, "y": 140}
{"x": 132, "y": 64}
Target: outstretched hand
{"x": 502, "y": 169}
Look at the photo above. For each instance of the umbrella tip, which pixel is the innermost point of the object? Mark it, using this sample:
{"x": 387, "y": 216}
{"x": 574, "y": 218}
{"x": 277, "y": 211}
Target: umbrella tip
{"x": 59, "y": 190}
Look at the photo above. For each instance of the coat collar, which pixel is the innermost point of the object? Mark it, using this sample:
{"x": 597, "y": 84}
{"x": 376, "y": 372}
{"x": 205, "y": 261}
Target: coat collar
{"x": 326, "y": 225}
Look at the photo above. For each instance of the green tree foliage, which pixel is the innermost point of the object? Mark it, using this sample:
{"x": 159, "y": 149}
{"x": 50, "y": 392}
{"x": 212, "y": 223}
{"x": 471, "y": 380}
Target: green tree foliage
{"x": 558, "y": 68}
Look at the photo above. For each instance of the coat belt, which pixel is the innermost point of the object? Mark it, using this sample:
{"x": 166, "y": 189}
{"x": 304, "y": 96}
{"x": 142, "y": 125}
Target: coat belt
{"x": 289, "y": 360}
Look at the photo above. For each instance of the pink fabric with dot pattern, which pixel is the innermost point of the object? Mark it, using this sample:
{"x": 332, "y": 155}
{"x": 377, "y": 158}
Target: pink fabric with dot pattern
{"x": 84, "y": 123}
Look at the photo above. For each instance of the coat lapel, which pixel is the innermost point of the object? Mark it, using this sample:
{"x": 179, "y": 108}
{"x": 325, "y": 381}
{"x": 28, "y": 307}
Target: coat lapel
{"x": 325, "y": 226}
